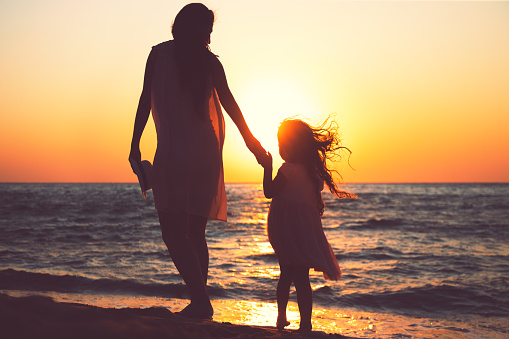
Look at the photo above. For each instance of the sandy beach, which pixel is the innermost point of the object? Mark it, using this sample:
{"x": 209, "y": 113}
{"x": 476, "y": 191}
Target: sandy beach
{"x": 42, "y": 317}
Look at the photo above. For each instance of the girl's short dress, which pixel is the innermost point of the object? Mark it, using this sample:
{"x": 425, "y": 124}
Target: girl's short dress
{"x": 294, "y": 225}
{"x": 187, "y": 174}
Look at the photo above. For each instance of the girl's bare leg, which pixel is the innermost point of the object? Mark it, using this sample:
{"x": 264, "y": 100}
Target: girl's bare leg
{"x": 304, "y": 297}
{"x": 283, "y": 294}
{"x": 174, "y": 228}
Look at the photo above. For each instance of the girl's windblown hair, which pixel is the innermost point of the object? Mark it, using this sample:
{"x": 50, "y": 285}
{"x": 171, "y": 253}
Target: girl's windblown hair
{"x": 313, "y": 147}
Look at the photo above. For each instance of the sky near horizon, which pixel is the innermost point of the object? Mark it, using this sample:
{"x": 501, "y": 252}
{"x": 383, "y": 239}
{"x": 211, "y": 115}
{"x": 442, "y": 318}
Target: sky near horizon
{"x": 420, "y": 90}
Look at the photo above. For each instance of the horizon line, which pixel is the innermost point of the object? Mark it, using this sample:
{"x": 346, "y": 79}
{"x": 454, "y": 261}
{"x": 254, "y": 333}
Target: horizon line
{"x": 260, "y": 183}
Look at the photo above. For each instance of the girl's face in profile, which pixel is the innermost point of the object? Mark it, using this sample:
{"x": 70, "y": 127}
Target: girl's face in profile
{"x": 285, "y": 151}
{"x": 282, "y": 151}
{"x": 292, "y": 138}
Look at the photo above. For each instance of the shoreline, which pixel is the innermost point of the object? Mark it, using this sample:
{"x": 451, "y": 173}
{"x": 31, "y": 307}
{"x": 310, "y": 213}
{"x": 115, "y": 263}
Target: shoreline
{"x": 38, "y": 316}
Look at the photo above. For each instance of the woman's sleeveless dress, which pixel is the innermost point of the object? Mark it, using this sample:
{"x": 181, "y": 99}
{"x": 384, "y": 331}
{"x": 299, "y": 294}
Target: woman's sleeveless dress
{"x": 187, "y": 173}
{"x": 294, "y": 225}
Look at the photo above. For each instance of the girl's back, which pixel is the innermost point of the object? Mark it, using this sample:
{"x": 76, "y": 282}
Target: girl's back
{"x": 299, "y": 186}
{"x": 294, "y": 226}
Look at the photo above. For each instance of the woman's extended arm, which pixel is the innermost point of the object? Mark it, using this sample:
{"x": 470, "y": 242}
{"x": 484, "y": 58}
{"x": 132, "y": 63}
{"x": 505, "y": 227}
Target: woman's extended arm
{"x": 143, "y": 111}
{"x": 232, "y": 108}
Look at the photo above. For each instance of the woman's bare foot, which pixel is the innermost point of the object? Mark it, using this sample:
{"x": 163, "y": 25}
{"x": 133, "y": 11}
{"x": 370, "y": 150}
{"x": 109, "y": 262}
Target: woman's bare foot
{"x": 305, "y": 327}
{"x": 196, "y": 311}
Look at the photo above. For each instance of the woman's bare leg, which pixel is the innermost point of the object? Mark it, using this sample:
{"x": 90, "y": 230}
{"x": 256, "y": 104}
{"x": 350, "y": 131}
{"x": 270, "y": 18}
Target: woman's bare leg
{"x": 196, "y": 234}
{"x": 174, "y": 231}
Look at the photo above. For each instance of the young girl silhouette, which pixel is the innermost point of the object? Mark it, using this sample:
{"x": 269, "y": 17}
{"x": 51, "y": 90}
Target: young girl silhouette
{"x": 294, "y": 225}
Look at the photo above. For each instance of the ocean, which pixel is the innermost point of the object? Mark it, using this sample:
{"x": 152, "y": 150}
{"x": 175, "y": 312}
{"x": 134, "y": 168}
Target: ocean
{"x": 418, "y": 260}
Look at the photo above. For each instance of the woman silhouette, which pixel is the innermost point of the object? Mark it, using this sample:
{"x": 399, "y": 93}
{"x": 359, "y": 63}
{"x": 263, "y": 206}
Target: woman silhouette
{"x": 185, "y": 87}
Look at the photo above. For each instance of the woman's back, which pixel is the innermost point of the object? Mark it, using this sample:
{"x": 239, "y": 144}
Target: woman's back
{"x": 188, "y": 169}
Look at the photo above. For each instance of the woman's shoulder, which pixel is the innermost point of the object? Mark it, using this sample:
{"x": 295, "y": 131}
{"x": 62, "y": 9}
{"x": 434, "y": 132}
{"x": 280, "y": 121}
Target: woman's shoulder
{"x": 163, "y": 46}
{"x": 214, "y": 59}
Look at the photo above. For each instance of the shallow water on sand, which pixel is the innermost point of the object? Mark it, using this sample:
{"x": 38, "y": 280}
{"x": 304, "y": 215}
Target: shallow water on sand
{"x": 418, "y": 260}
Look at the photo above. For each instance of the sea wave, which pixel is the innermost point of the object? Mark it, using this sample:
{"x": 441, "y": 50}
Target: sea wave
{"x": 430, "y": 300}
{"x": 413, "y": 301}
{"x": 376, "y": 224}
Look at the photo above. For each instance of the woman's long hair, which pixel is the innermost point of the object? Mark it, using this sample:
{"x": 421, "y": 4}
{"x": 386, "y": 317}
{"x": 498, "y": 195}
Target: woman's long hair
{"x": 191, "y": 32}
{"x": 313, "y": 147}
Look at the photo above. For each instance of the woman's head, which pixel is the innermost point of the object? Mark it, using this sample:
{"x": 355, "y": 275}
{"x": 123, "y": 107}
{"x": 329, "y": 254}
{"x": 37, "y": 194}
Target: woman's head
{"x": 193, "y": 24}
{"x": 191, "y": 32}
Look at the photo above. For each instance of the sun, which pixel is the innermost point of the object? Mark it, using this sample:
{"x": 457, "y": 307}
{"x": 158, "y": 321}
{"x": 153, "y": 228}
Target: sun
{"x": 267, "y": 102}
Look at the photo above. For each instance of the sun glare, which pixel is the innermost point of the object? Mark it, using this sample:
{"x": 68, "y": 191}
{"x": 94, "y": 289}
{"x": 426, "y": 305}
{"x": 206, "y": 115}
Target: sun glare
{"x": 267, "y": 102}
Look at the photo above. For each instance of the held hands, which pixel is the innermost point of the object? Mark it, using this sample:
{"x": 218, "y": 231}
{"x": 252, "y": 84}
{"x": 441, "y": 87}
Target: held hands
{"x": 263, "y": 157}
{"x": 256, "y": 148}
{"x": 266, "y": 161}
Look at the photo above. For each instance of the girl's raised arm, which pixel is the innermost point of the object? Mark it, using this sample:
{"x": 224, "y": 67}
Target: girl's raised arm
{"x": 271, "y": 187}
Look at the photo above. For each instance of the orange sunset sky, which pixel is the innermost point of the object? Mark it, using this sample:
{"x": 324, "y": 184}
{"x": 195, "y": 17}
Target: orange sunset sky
{"x": 420, "y": 89}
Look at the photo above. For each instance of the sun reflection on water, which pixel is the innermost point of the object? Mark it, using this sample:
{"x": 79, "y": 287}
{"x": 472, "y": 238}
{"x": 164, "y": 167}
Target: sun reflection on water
{"x": 264, "y": 272}
{"x": 263, "y": 247}
{"x": 252, "y": 313}
{"x": 265, "y": 314}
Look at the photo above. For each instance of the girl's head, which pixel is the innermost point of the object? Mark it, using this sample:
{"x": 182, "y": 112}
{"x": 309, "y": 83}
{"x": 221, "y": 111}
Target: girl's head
{"x": 193, "y": 24}
{"x": 296, "y": 141}
{"x": 312, "y": 147}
